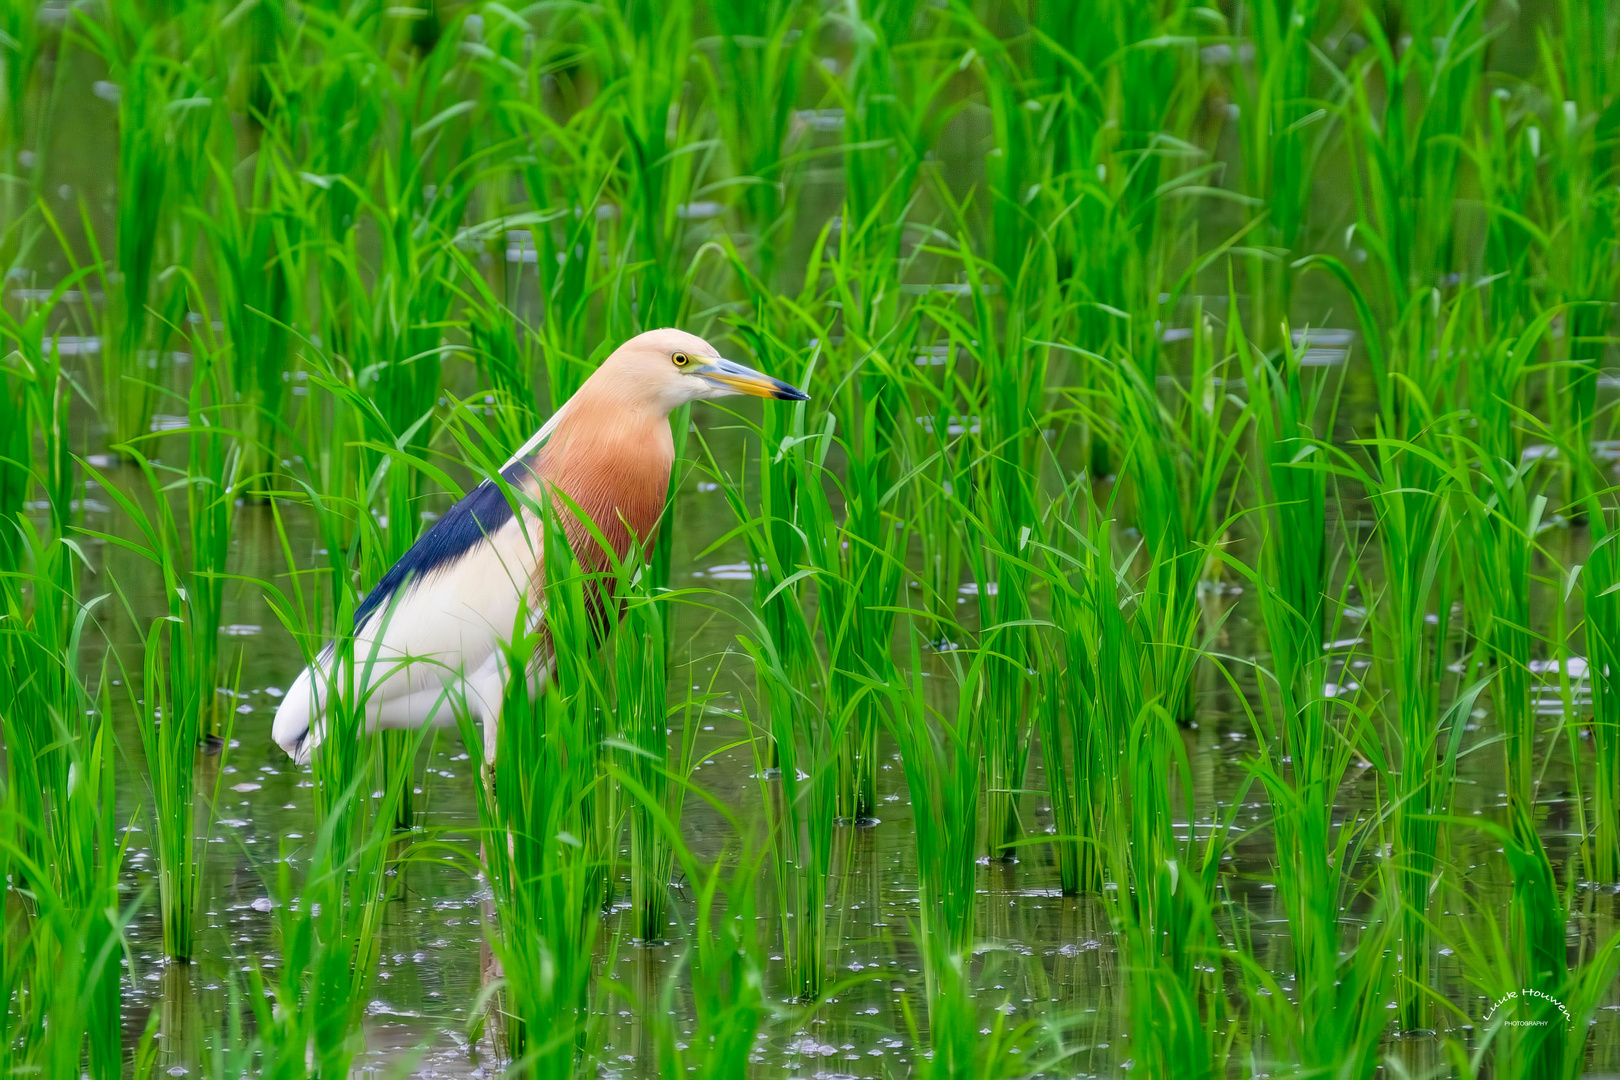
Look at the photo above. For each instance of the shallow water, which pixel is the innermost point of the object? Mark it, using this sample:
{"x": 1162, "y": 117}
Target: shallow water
{"x": 1042, "y": 954}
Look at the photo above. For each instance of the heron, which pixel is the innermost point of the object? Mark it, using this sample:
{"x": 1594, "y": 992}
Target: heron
{"x": 430, "y": 633}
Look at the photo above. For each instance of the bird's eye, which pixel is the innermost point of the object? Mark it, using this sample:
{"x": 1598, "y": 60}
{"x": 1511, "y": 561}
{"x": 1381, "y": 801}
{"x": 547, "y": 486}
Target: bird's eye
{"x": 681, "y": 359}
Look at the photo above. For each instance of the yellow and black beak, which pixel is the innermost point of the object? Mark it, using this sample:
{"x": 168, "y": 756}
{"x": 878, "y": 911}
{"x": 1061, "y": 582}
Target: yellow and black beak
{"x": 740, "y": 379}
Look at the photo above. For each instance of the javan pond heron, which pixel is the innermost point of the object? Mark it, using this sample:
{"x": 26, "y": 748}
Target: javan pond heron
{"x": 429, "y": 636}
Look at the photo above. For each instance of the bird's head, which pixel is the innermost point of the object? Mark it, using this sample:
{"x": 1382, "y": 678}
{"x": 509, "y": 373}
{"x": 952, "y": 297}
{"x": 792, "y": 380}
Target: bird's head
{"x": 668, "y": 368}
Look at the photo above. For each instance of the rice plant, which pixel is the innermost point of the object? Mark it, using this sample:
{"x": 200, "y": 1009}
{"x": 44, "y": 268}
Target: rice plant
{"x": 801, "y": 813}
{"x": 1165, "y": 907}
{"x": 548, "y": 846}
{"x": 724, "y": 962}
{"x": 642, "y": 729}
{"x": 765, "y": 54}
{"x": 1599, "y": 579}
{"x": 1421, "y": 742}
{"x": 1307, "y": 744}
{"x": 942, "y": 766}
{"x": 330, "y": 925}
{"x": 59, "y": 968}
{"x": 63, "y": 856}
{"x": 775, "y": 538}
{"x": 1007, "y": 405}
{"x": 24, "y": 44}
{"x": 178, "y": 693}
{"x": 1069, "y": 723}
{"x": 161, "y": 136}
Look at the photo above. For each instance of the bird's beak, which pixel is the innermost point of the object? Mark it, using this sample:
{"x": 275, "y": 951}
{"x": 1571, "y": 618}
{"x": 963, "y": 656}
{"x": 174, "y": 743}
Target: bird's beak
{"x": 739, "y": 379}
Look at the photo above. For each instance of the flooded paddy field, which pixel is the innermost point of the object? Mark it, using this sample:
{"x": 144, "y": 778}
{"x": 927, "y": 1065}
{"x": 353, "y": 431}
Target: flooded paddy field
{"x": 1176, "y": 637}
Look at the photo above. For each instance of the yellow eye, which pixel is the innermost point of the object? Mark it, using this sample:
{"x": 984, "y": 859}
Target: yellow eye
{"x": 681, "y": 359}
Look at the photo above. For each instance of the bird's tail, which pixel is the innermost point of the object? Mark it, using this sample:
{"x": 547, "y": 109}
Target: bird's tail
{"x": 294, "y": 729}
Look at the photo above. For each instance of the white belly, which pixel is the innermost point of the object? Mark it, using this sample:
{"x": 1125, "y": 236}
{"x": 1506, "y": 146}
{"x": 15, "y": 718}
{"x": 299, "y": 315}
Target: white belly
{"x": 432, "y": 650}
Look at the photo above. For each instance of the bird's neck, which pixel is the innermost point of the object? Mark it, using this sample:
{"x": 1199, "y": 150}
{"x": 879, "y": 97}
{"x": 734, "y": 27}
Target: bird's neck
{"x": 611, "y": 457}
